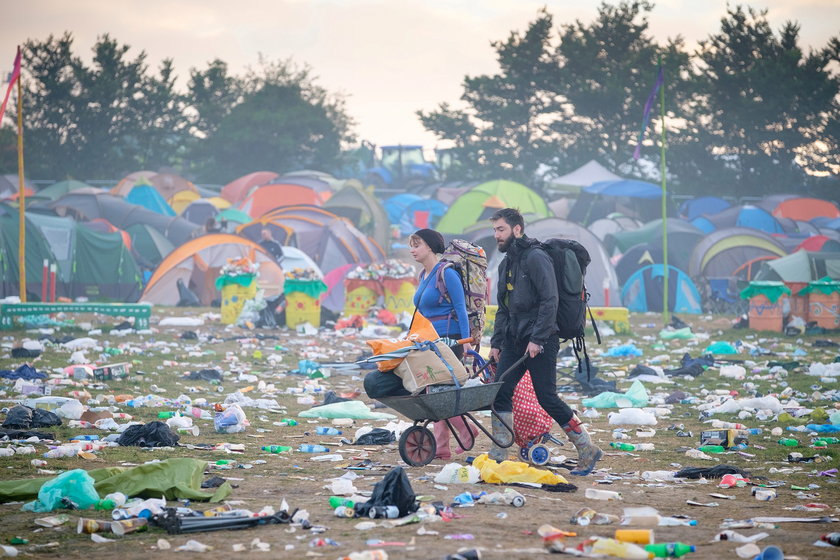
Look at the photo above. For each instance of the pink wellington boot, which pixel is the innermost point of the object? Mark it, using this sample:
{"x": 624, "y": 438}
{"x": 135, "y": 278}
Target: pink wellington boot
{"x": 442, "y": 441}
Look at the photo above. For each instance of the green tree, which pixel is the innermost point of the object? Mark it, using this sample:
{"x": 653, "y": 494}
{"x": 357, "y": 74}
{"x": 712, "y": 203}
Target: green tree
{"x": 768, "y": 109}
{"x": 605, "y": 72}
{"x": 505, "y": 129}
{"x": 284, "y": 121}
{"x": 212, "y": 93}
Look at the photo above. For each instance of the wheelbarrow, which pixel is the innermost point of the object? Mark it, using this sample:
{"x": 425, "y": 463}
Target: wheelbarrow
{"x": 417, "y": 444}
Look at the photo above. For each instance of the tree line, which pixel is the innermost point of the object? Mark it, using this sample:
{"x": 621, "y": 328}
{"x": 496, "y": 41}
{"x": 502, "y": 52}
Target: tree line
{"x": 748, "y": 112}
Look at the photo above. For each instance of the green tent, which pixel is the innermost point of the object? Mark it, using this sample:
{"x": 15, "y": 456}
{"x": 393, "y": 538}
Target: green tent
{"x": 149, "y": 245}
{"x": 480, "y": 202}
{"x": 801, "y": 267}
{"x": 57, "y": 190}
{"x": 37, "y": 250}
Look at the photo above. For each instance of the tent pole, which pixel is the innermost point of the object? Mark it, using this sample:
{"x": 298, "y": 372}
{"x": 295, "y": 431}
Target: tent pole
{"x": 662, "y": 171}
{"x": 21, "y": 196}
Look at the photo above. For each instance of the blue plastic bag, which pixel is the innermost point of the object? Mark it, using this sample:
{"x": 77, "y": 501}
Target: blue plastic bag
{"x": 73, "y": 488}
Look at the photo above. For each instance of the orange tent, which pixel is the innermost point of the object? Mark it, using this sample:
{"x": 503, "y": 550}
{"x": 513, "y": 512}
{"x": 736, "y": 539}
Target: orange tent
{"x": 197, "y": 263}
{"x": 268, "y": 197}
{"x": 238, "y": 189}
{"x": 805, "y": 209}
{"x": 127, "y": 183}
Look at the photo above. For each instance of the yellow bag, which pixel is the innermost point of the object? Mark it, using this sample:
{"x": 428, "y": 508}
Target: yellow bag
{"x": 421, "y": 330}
{"x": 513, "y": 471}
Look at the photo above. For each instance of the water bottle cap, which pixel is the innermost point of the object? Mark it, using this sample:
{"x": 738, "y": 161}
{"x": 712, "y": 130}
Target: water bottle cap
{"x": 693, "y": 523}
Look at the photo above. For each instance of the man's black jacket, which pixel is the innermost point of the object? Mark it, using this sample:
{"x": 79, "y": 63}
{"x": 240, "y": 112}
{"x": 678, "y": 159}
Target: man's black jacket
{"x": 529, "y": 312}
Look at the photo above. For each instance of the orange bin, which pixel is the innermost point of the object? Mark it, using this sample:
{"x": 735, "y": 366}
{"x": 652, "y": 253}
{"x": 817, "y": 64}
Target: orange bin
{"x": 824, "y": 303}
{"x": 767, "y": 303}
{"x": 798, "y": 302}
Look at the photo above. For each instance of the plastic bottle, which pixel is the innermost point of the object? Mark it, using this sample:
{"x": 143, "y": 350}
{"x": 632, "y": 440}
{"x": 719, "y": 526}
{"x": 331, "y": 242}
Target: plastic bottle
{"x": 166, "y": 414}
{"x": 287, "y": 422}
{"x": 831, "y": 538}
{"x": 312, "y": 448}
{"x": 622, "y": 446}
{"x": 276, "y": 448}
{"x": 788, "y": 442}
{"x": 338, "y": 501}
{"x": 636, "y": 536}
{"x": 344, "y": 511}
{"x": 753, "y": 431}
{"x": 720, "y": 424}
{"x": 712, "y": 448}
{"x": 827, "y": 440}
{"x": 676, "y": 522}
{"x": 612, "y": 547}
{"x": 670, "y": 550}
{"x": 61, "y": 451}
{"x": 598, "y": 494}
{"x": 325, "y": 431}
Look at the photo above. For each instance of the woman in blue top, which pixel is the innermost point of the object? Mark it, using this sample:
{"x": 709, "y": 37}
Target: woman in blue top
{"x": 447, "y": 314}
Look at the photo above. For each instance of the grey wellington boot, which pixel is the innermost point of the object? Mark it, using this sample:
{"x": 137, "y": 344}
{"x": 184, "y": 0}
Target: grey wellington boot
{"x": 588, "y": 452}
{"x": 501, "y": 433}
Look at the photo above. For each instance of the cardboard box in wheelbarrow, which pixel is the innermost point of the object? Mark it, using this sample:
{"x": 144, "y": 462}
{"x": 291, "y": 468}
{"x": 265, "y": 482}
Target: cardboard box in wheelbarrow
{"x": 422, "y": 368}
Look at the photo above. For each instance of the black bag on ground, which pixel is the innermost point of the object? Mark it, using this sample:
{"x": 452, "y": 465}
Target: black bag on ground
{"x": 377, "y": 436}
{"x": 153, "y": 434}
{"x": 393, "y": 490}
{"x": 19, "y": 417}
{"x": 44, "y": 418}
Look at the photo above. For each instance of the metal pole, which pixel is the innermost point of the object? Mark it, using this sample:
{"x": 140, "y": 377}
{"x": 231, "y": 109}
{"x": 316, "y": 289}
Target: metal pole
{"x": 662, "y": 171}
{"x": 21, "y": 197}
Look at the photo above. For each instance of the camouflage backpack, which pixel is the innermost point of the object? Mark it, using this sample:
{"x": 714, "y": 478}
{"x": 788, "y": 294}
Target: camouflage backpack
{"x": 470, "y": 262}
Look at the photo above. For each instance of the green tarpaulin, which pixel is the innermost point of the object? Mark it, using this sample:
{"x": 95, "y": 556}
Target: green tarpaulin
{"x": 825, "y": 285}
{"x": 771, "y": 290}
{"x": 175, "y": 479}
{"x": 312, "y": 288}
{"x": 243, "y": 280}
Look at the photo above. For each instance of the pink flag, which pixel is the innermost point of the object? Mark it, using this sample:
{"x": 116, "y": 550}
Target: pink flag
{"x": 12, "y": 79}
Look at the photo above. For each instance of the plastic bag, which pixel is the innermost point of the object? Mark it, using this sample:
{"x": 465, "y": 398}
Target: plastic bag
{"x": 453, "y": 473}
{"x": 635, "y": 396}
{"x": 632, "y": 416}
{"x": 153, "y": 434}
{"x": 231, "y": 420}
{"x": 513, "y": 471}
{"x": 72, "y": 488}
{"x": 393, "y": 490}
{"x": 720, "y": 347}
{"x": 377, "y": 436}
{"x": 421, "y": 330}
{"x": 623, "y": 350}
{"x": 71, "y": 410}
{"x": 18, "y": 418}
{"x": 349, "y": 409}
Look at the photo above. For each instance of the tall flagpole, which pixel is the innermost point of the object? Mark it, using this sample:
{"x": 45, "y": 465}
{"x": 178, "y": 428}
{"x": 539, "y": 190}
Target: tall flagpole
{"x": 662, "y": 168}
{"x": 21, "y": 196}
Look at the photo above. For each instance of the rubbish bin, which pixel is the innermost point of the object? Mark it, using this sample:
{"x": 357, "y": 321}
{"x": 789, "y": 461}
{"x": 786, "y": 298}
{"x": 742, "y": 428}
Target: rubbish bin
{"x": 824, "y": 302}
{"x": 303, "y": 301}
{"x": 399, "y": 294}
{"x": 798, "y": 300}
{"x": 360, "y": 295}
{"x": 767, "y": 300}
{"x": 236, "y": 290}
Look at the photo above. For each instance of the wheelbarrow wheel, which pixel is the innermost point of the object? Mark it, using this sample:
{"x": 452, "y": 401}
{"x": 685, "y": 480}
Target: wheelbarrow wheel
{"x": 538, "y": 455}
{"x": 523, "y": 454}
{"x": 418, "y": 446}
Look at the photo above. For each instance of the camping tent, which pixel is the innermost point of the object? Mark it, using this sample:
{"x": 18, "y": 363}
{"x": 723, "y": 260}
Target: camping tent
{"x": 703, "y": 205}
{"x": 198, "y": 263}
{"x": 643, "y": 291}
{"x": 266, "y": 198}
{"x": 483, "y": 200}
{"x": 92, "y": 264}
{"x": 57, "y": 190}
{"x": 199, "y": 211}
{"x": 362, "y": 209}
{"x": 613, "y": 223}
{"x": 720, "y": 253}
{"x": 320, "y": 186}
{"x": 148, "y": 197}
{"x": 9, "y": 187}
{"x": 331, "y": 241}
{"x": 585, "y": 175}
{"x": 601, "y": 280}
{"x": 294, "y": 258}
{"x": 681, "y": 235}
{"x": 181, "y": 199}
{"x": 636, "y": 199}
{"x": 746, "y": 216}
{"x": 37, "y": 250}
{"x": 238, "y": 189}
{"x": 806, "y": 209}
{"x": 121, "y": 213}
{"x": 801, "y": 267}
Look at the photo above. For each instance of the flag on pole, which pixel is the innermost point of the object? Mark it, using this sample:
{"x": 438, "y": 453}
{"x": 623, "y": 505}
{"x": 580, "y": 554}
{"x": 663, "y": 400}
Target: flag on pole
{"x": 660, "y": 79}
{"x": 13, "y": 77}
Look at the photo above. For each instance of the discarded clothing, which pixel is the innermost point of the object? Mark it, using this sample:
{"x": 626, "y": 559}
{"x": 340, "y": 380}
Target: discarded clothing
{"x": 25, "y": 371}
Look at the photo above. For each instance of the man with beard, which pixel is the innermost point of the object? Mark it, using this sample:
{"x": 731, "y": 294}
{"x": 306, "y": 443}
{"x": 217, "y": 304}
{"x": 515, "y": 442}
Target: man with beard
{"x": 526, "y": 323}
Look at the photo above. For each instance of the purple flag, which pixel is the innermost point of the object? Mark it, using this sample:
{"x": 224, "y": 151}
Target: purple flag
{"x": 660, "y": 79}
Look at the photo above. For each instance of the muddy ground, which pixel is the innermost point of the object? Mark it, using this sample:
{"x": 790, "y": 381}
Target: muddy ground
{"x": 163, "y": 357}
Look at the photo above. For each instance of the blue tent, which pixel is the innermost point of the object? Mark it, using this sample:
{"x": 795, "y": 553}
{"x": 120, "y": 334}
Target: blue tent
{"x": 636, "y": 199}
{"x": 396, "y": 205}
{"x": 643, "y": 290}
{"x": 433, "y": 210}
{"x": 739, "y": 216}
{"x": 697, "y": 207}
{"x": 148, "y": 197}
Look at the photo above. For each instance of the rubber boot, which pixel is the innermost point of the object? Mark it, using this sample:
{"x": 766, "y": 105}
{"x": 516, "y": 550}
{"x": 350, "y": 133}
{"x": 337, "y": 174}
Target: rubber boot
{"x": 442, "y": 440}
{"x": 588, "y": 452}
{"x": 502, "y": 434}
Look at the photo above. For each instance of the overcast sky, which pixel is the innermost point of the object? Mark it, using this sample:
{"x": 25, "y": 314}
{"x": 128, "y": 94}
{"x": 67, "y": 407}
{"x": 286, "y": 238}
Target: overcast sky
{"x": 389, "y": 57}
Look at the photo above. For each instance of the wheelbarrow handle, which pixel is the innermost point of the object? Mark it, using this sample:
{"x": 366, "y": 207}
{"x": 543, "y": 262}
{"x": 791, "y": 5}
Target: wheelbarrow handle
{"x": 515, "y": 364}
